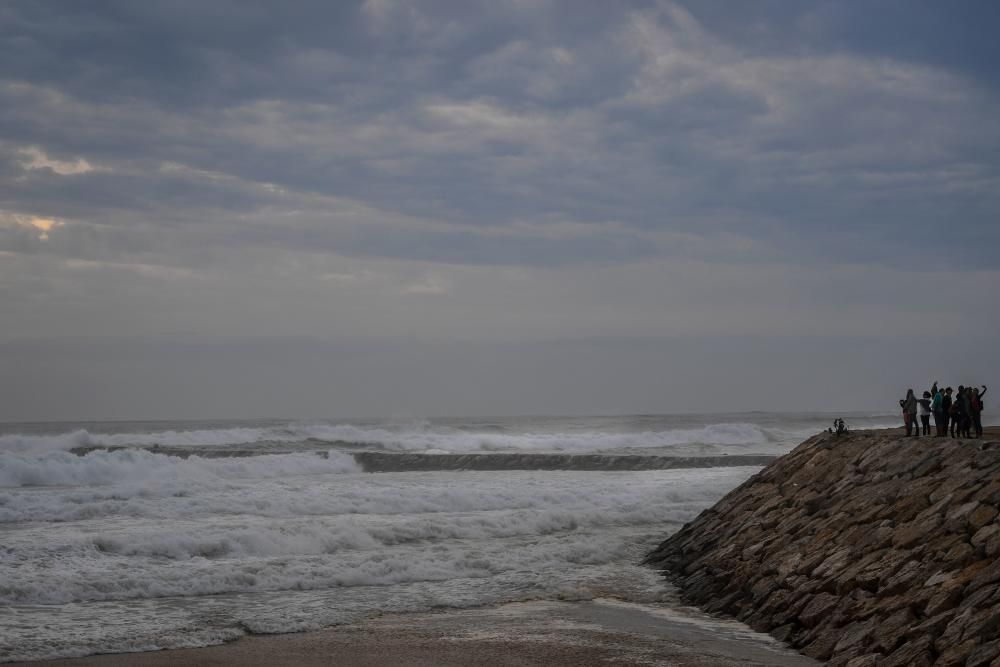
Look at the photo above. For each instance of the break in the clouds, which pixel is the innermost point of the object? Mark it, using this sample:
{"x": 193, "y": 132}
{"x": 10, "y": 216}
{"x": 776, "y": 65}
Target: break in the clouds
{"x": 499, "y": 175}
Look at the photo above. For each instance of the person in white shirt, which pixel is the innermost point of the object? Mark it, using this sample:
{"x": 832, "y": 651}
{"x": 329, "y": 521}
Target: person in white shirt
{"x": 925, "y": 412}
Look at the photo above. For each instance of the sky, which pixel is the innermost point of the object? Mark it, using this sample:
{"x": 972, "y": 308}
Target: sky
{"x": 446, "y": 208}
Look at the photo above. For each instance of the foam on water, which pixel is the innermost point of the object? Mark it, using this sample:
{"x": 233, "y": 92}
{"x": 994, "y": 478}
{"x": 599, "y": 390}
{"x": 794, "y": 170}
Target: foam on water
{"x": 460, "y": 538}
{"x": 421, "y": 437}
{"x": 296, "y": 485}
{"x": 723, "y": 434}
{"x": 136, "y": 466}
{"x": 148, "y": 547}
{"x": 21, "y": 442}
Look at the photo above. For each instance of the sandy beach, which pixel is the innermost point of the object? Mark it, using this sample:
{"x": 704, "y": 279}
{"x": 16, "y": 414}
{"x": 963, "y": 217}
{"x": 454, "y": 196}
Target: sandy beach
{"x": 519, "y": 634}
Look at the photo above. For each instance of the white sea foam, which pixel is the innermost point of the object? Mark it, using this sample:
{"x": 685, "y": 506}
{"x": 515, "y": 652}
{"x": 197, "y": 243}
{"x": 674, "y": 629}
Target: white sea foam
{"x": 202, "y": 493}
{"x": 420, "y": 440}
{"x": 136, "y": 466}
{"x": 740, "y": 436}
{"x": 416, "y": 437}
{"x": 402, "y": 528}
{"x": 149, "y": 624}
{"x": 18, "y": 442}
{"x": 109, "y": 579}
{"x": 244, "y": 536}
{"x": 138, "y": 549}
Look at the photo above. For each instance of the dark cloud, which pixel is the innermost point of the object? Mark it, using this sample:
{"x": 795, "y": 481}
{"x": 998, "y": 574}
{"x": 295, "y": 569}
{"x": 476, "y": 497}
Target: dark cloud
{"x": 501, "y": 171}
{"x": 477, "y": 115}
{"x": 959, "y": 36}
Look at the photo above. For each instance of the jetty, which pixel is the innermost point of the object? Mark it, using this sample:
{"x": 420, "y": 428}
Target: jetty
{"x": 866, "y": 549}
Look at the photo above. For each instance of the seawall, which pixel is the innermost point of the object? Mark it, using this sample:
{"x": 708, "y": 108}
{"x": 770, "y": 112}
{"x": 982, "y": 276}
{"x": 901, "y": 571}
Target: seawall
{"x": 395, "y": 462}
{"x": 864, "y": 549}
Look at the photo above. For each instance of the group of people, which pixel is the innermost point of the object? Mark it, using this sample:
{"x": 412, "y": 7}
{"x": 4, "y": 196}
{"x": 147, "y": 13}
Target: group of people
{"x": 957, "y": 415}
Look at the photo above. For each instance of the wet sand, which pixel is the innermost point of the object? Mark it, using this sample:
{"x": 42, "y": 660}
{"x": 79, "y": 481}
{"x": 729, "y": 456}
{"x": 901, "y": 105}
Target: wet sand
{"x": 524, "y": 634}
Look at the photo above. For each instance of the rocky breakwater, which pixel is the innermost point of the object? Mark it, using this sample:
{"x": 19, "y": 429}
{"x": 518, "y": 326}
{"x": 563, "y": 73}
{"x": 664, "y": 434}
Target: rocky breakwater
{"x": 864, "y": 549}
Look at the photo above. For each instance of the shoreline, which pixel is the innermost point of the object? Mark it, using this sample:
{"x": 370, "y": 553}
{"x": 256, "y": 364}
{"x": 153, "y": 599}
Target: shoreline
{"x": 601, "y": 631}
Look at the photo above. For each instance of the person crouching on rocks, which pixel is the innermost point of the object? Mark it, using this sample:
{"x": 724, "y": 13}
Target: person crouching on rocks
{"x": 909, "y": 405}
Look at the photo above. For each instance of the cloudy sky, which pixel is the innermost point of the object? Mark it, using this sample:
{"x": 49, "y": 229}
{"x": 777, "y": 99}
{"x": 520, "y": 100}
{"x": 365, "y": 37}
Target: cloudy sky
{"x": 226, "y": 208}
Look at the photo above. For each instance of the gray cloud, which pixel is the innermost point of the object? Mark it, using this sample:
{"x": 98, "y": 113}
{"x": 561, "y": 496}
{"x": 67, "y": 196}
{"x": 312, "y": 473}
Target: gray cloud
{"x": 495, "y": 173}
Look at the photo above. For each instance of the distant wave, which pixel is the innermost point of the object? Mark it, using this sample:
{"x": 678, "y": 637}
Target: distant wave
{"x": 464, "y": 441}
{"x": 18, "y": 442}
{"x": 417, "y": 438}
{"x": 136, "y": 466}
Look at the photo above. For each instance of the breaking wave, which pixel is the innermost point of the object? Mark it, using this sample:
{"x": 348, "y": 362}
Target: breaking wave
{"x": 137, "y": 466}
{"x": 18, "y": 442}
{"x": 418, "y": 437}
{"x": 336, "y": 531}
{"x": 424, "y": 440}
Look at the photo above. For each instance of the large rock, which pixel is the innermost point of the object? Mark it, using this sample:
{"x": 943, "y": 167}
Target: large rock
{"x": 866, "y": 549}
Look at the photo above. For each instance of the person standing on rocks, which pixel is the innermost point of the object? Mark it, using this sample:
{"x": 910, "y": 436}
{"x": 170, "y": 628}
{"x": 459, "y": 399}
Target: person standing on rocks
{"x": 925, "y": 413}
{"x": 960, "y": 414}
{"x": 909, "y": 405}
{"x": 976, "y": 410}
{"x": 947, "y": 404}
{"x": 937, "y": 407}
{"x": 966, "y": 422}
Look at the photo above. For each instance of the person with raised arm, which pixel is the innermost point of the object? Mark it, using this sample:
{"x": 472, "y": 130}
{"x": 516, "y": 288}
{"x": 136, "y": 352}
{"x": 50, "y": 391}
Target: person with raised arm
{"x": 976, "y": 410}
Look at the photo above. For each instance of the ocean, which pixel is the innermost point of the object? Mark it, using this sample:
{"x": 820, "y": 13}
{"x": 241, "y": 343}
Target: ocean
{"x": 136, "y": 536}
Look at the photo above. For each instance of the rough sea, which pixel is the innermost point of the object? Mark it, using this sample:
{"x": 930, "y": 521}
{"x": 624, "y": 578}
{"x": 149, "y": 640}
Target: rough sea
{"x": 131, "y": 536}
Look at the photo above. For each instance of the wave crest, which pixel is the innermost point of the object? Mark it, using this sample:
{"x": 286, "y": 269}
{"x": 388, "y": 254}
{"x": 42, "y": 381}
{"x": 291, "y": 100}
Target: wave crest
{"x": 136, "y": 466}
{"x": 422, "y": 436}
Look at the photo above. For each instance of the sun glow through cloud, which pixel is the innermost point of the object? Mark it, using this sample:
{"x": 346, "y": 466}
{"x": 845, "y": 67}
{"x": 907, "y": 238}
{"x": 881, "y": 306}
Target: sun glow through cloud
{"x": 39, "y": 225}
{"x": 35, "y": 158}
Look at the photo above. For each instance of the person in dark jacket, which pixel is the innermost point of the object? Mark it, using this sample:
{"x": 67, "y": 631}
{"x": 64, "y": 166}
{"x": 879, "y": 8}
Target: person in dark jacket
{"x": 960, "y": 413}
{"x": 976, "y": 411}
{"x": 965, "y": 419}
{"x": 909, "y": 405}
{"x": 947, "y": 403}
